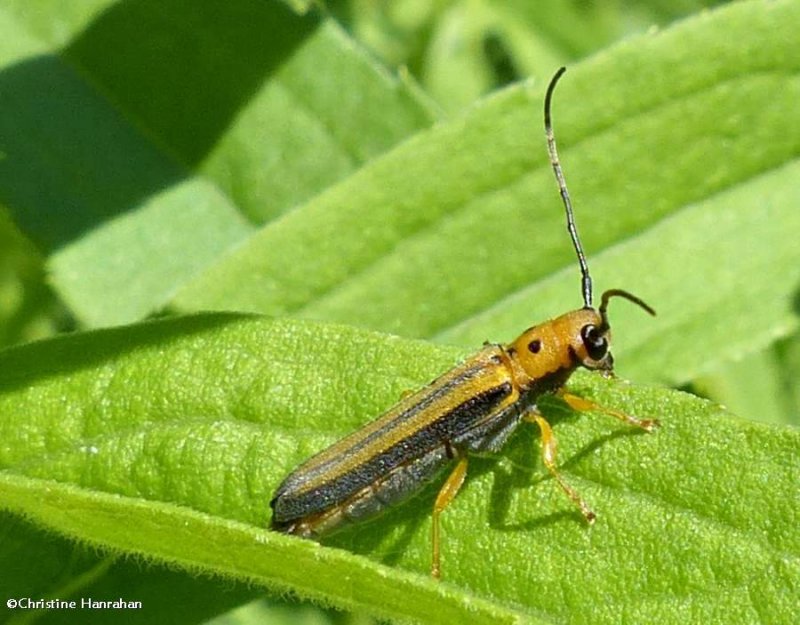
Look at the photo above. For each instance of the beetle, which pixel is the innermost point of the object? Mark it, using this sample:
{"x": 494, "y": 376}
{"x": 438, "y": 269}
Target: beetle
{"x": 473, "y": 408}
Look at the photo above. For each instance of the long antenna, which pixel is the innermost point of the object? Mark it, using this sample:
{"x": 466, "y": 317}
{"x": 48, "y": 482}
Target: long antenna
{"x": 586, "y": 280}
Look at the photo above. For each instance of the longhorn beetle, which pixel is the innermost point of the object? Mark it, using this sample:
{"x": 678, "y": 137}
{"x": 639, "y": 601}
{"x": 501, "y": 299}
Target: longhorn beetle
{"x": 474, "y": 407}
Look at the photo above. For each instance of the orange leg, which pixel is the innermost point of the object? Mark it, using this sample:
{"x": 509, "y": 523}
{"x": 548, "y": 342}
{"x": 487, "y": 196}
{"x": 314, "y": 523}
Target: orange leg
{"x": 584, "y": 405}
{"x": 447, "y": 493}
{"x": 549, "y": 452}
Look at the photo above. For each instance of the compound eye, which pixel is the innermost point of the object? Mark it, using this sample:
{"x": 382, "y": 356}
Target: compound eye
{"x": 596, "y": 343}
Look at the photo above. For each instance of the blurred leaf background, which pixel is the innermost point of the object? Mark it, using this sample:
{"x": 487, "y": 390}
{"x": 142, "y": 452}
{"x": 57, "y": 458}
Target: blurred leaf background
{"x": 335, "y": 162}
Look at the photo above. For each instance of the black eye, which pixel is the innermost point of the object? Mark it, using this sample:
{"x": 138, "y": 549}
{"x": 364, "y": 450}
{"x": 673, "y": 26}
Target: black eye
{"x": 595, "y": 343}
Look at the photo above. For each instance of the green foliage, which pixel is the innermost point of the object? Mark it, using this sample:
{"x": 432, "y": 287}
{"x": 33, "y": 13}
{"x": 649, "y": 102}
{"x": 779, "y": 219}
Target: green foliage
{"x": 167, "y": 439}
{"x": 251, "y": 157}
{"x": 164, "y": 168}
{"x": 468, "y": 247}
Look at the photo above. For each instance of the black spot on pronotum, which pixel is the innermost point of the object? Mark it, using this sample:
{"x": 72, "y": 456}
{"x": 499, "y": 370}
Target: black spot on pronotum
{"x": 535, "y": 346}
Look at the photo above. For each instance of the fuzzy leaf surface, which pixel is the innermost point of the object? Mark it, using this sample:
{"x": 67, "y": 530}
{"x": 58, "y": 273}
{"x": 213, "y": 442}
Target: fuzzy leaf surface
{"x": 167, "y": 439}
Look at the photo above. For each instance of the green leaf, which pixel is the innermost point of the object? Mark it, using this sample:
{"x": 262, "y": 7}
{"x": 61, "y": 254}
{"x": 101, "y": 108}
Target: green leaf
{"x": 754, "y": 387}
{"x": 681, "y": 154}
{"x": 478, "y": 46}
{"x": 788, "y": 354}
{"x": 134, "y": 173}
{"x": 36, "y": 564}
{"x": 167, "y": 440}
{"x": 680, "y": 149}
{"x": 25, "y": 302}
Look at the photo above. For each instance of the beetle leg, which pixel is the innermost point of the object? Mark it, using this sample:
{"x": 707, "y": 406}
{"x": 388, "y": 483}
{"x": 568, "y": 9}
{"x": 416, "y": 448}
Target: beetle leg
{"x": 549, "y": 455}
{"x": 585, "y": 405}
{"x": 446, "y": 494}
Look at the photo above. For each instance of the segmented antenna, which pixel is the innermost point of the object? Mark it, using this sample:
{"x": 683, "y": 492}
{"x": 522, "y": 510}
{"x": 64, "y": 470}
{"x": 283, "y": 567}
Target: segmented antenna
{"x": 586, "y": 280}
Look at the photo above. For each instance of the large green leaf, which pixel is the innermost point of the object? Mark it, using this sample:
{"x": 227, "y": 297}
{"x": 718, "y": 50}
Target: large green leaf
{"x": 167, "y": 440}
{"x": 138, "y": 149}
{"x": 36, "y": 564}
{"x": 680, "y": 149}
{"x": 681, "y": 153}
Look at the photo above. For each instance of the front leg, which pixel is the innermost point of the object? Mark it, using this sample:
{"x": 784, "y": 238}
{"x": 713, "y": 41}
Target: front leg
{"x": 581, "y": 404}
{"x": 550, "y": 444}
